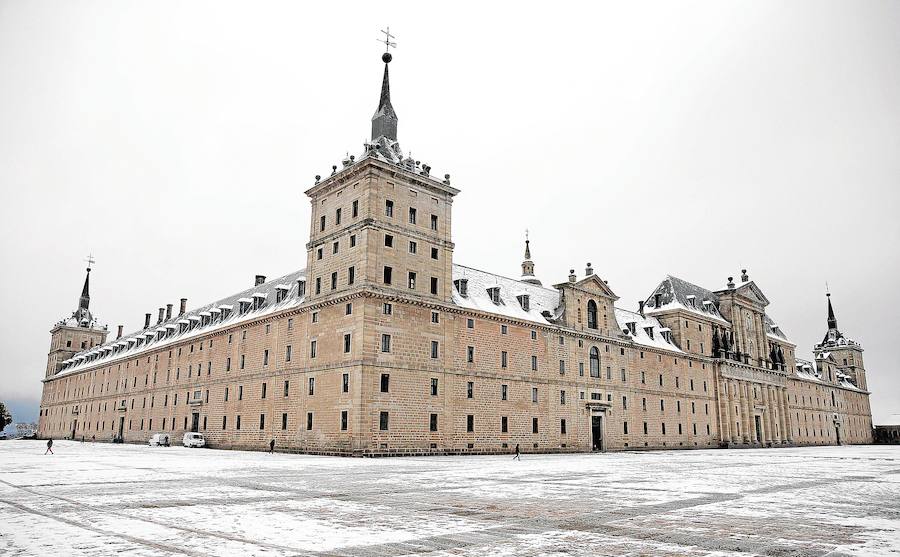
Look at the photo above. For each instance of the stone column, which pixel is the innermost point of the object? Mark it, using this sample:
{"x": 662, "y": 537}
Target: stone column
{"x": 737, "y": 432}
{"x": 750, "y": 423}
{"x": 788, "y": 421}
{"x": 766, "y": 415}
{"x": 728, "y": 434}
{"x": 775, "y": 406}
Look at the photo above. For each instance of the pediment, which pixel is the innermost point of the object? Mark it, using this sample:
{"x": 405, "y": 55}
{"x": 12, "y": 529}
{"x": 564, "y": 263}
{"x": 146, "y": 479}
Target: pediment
{"x": 753, "y": 293}
{"x": 592, "y": 284}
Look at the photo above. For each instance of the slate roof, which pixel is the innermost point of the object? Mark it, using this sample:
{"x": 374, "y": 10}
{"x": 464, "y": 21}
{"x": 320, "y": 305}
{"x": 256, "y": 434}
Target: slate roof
{"x": 676, "y": 293}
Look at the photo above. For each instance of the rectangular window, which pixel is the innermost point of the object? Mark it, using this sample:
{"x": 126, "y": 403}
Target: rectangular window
{"x": 262, "y": 421}
{"x": 287, "y": 385}
{"x": 385, "y": 343}
{"x": 388, "y": 208}
{"x": 226, "y": 396}
{"x": 343, "y": 420}
{"x": 534, "y": 425}
{"x": 346, "y": 343}
{"x": 434, "y": 221}
{"x": 383, "y": 421}
{"x": 322, "y": 223}
{"x": 385, "y": 382}
{"x": 337, "y": 216}
{"x": 434, "y": 286}
{"x": 534, "y": 363}
{"x": 434, "y": 253}
{"x": 334, "y": 247}
{"x": 312, "y": 348}
{"x": 287, "y": 353}
{"x": 412, "y": 280}
{"x": 243, "y": 361}
{"x": 434, "y": 349}
{"x": 318, "y": 285}
{"x": 432, "y": 423}
{"x": 504, "y": 329}
{"x": 562, "y": 367}
{"x": 562, "y": 397}
{"x": 265, "y": 357}
{"x": 263, "y": 391}
{"x": 470, "y": 389}
{"x": 388, "y": 241}
{"x": 334, "y": 280}
{"x": 412, "y": 247}
{"x": 434, "y": 386}
{"x": 351, "y": 275}
{"x": 534, "y": 394}
{"x": 345, "y": 383}
{"x": 504, "y": 392}
{"x": 355, "y": 208}
{"x": 470, "y": 423}
{"x": 470, "y": 323}
{"x": 312, "y": 386}
{"x": 224, "y": 422}
{"x": 562, "y": 426}
{"x": 309, "y": 421}
{"x": 240, "y": 393}
{"x": 353, "y": 240}
{"x": 387, "y": 309}
{"x": 412, "y": 215}
{"x": 237, "y": 422}
{"x": 470, "y": 354}
{"x": 504, "y": 424}
{"x": 504, "y": 359}
{"x": 387, "y": 275}
{"x": 284, "y": 420}
{"x": 227, "y": 364}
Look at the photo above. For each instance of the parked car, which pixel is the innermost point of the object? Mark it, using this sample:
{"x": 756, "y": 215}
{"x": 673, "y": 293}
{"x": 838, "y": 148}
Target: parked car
{"x": 193, "y": 440}
{"x": 159, "y": 440}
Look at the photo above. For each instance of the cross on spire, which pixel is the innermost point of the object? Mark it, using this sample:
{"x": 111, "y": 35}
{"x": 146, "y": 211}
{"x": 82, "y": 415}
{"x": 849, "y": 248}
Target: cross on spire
{"x": 90, "y": 261}
{"x": 387, "y": 39}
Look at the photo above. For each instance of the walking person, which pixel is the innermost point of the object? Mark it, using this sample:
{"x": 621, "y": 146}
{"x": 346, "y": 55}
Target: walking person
{"x": 272, "y": 446}
{"x": 517, "y": 453}
{"x": 49, "y": 446}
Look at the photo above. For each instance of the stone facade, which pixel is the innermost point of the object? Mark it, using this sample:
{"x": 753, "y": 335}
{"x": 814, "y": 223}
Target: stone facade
{"x": 383, "y": 345}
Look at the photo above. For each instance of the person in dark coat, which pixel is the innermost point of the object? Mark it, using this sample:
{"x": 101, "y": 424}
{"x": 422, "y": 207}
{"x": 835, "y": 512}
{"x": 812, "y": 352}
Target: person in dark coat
{"x": 272, "y": 446}
{"x": 49, "y": 446}
{"x": 517, "y": 453}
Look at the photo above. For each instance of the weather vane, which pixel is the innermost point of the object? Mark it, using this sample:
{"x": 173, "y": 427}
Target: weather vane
{"x": 387, "y": 40}
{"x": 90, "y": 261}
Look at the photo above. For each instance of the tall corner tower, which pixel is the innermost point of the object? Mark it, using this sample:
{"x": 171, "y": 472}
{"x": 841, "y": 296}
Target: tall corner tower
{"x": 79, "y": 332}
{"x": 381, "y": 220}
{"x": 847, "y": 353}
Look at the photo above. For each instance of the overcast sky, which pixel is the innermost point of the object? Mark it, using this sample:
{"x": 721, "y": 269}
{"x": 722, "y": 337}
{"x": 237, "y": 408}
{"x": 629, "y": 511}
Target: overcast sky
{"x": 174, "y": 142}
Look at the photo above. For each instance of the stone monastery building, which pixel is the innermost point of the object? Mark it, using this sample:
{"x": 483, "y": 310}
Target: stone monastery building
{"x": 384, "y": 345}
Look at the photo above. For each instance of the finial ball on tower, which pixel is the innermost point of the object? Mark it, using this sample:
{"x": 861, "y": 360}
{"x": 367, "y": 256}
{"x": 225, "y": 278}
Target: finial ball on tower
{"x": 386, "y": 57}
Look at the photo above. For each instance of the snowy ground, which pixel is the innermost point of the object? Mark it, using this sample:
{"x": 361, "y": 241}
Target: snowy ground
{"x": 101, "y": 499}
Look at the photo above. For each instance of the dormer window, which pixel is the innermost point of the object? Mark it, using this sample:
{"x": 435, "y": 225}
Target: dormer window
{"x": 524, "y": 301}
{"x": 632, "y": 327}
{"x": 494, "y": 294}
{"x": 649, "y": 331}
{"x": 666, "y": 334}
{"x": 244, "y": 305}
{"x": 301, "y": 287}
{"x": 462, "y": 287}
{"x": 692, "y": 301}
{"x": 281, "y": 292}
{"x": 259, "y": 300}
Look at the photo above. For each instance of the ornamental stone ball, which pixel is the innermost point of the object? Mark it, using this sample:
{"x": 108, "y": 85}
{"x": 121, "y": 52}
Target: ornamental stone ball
{"x": 386, "y": 57}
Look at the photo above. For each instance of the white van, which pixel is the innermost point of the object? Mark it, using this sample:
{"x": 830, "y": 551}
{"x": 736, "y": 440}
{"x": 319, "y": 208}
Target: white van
{"x": 159, "y": 440}
{"x": 193, "y": 440}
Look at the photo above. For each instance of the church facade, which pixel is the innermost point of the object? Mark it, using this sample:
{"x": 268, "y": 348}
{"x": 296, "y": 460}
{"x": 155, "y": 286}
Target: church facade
{"x": 383, "y": 345}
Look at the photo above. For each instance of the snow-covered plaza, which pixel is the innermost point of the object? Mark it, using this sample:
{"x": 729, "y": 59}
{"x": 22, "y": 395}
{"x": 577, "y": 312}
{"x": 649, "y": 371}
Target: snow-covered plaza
{"x": 101, "y": 499}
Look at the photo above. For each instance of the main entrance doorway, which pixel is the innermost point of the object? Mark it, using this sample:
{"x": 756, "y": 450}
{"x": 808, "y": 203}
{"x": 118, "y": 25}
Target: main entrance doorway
{"x": 758, "y": 423}
{"x": 837, "y": 432}
{"x": 121, "y": 427}
{"x": 74, "y": 427}
{"x": 597, "y": 433}
{"x": 195, "y": 422}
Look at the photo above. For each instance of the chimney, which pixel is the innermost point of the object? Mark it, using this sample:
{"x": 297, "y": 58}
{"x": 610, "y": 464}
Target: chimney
{"x": 259, "y": 280}
{"x": 120, "y": 333}
{"x": 146, "y": 320}
{"x": 731, "y": 283}
{"x": 168, "y": 311}
{"x": 641, "y": 307}
{"x": 656, "y": 300}
{"x": 744, "y": 276}
{"x": 162, "y": 313}
{"x": 572, "y": 276}
{"x": 588, "y": 271}
{"x": 183, "y": 306}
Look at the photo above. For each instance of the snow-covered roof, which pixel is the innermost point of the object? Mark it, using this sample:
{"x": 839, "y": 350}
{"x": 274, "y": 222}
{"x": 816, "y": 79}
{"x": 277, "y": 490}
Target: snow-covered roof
{"x": 773, "y": 330}
{"x": 129, "y": 347}
{"x": 678, "y": 294}
{"x": 540, "y": 299}
{"x": 808, "y": 371}
{"x": 641, "y": 325}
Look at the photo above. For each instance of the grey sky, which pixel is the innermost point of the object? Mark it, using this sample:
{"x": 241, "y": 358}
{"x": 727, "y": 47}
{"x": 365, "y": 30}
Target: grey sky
{"x": 174, "y": 141}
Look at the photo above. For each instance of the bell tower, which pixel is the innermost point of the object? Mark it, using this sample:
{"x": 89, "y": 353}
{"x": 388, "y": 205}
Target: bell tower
{"x": 847, "y": 353}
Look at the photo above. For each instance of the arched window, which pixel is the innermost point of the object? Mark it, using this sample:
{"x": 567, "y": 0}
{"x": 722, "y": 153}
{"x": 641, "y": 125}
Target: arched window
{"x": 595, "y": 362}
{"x": 592, "y": 314}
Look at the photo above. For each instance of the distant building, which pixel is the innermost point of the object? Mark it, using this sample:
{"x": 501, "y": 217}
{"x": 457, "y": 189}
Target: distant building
{"x": 384, "y": 345}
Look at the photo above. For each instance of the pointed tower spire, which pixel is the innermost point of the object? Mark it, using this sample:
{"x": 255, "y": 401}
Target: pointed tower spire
{"x": 85, "y": 299}
{"x": 832, "y": 321}
{"x": 384, "y": 122}
{"x": 528, "y": 264}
